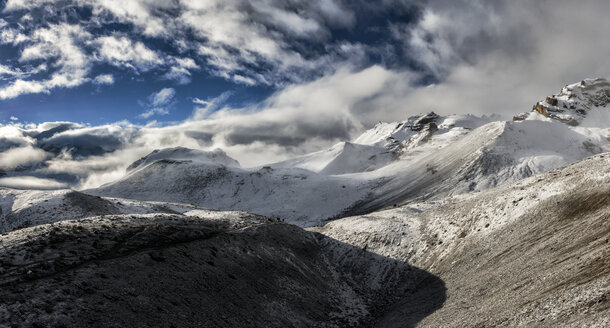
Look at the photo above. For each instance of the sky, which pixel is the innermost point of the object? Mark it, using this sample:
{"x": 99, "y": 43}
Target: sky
{"x": 265, "y": 80}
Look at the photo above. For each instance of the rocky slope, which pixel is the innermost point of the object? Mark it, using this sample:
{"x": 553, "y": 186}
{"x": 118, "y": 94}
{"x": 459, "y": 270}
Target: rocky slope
{"x": 26, "y": 208}
{"x": 533, "y": 253}
{"x": 434, "y": 222}
{"x": 211, "y": 269}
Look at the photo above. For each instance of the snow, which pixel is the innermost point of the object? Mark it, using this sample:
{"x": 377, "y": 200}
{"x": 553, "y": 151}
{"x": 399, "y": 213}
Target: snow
{"x": 342, "y": 158}
{"x": 400, "y": 232}
{"x": 424, "y": 158}
{"x": 458, "y": 196}
{"x": 24, "y": 208}
{"x": 185, "y": 154}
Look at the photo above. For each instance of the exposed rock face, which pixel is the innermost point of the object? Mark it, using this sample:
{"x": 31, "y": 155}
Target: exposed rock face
{"x": 424, "y": 121}
{"x": 574, "y": 101}
{"x": 397, "y": 137}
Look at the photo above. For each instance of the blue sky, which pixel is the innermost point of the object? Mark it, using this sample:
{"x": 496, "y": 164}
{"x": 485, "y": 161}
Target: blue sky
{"x": 116, "y": 55}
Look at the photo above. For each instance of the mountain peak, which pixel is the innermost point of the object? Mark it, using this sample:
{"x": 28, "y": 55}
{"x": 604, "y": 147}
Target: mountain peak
{"x": 574, "y": 101}
{"x": 216, "y": 156}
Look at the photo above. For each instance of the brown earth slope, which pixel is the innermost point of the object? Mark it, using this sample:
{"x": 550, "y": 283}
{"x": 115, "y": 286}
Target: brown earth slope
{"x": 535, "y": 253}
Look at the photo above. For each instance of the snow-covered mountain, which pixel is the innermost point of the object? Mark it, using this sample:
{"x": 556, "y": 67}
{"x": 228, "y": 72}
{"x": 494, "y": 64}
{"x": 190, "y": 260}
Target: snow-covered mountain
{"x": 575, "y": 102}
{"x": 433, "y": 221}
{"x": 185, "y": 154}
{"x": 531, "y": 253}
{"x": 425, "y": 157}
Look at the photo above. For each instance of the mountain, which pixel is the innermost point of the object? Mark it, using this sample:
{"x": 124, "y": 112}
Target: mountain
{"x": 575, "y": 102}
{"x": 435, "y": 221}
{"x": 297, "y": 195}
{"x": 212, "y": 269}
{"x": 185, "y": 154}
{"x": 531, "y": 253}
{"x": 26, "y": 208}
{"x": 425, "y": 157}
{"x": 342, "y": 158}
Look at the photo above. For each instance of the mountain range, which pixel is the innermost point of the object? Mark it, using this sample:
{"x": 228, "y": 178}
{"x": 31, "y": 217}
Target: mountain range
{"x": 434, "y": 221}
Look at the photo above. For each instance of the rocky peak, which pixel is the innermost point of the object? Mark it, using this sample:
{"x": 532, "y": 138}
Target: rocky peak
{"x": 425, "y": 121}
{"x": 574, "y": 101}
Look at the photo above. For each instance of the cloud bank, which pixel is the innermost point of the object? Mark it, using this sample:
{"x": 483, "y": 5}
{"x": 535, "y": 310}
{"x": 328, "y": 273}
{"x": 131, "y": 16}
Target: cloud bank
{"x": 458, "y": 56}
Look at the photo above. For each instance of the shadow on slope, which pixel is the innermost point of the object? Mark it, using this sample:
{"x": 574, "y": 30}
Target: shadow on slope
{"x": 534, "y": 253}
{"x": 550, "y": 268}
{"x": 226, "y": 270}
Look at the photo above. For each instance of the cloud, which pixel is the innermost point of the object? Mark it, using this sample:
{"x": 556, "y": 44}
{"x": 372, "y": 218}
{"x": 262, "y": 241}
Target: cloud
{"x": 154, "y": 111}
{"x": 163, "y": 97}
{"x": 121, "y": 51}
{"x": 6, "y": 71}
{"x": 61, "y": 44}
{"x": 299, "y": 119}
{"x": 205, "y": 108}
{"x": 29, "y": 182}
{"x": 12, "y": 136}
{"x": 14, "y": 118}
{"x": 12, "y": 5}
{"x": 15, "y": 157}
{"x": 103, "y": 79}
{"x": 503, "y": 56}
{"x": 180, "y": 71}
{"x": 246, "y": 42}
{"x": 159, "y": 103}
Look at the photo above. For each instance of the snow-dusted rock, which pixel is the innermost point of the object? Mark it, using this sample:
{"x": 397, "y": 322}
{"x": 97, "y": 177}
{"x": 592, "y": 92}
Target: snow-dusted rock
{"x": 575, "y": 101}
{"x": 184, "y": 154}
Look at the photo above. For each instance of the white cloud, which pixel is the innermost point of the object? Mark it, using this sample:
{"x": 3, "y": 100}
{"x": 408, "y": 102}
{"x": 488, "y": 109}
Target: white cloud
{"x": 16, "y": 72}
{"x": 264, "y": 33}
{"x": 299, "y": 119}
{"x": 163, "y": 97}
{"x": 154, "y": 111}
{"x": 24, "y": 4}
{"x": 15, "y": 157}
{"x": 62, "y": 43}
{"x": 12, "y": 36}
{"x": 243, "y": 80}
{"x": 121, "y": 51}
{"x": 14, "y": 118}
{"x": 137, "y": 12}
{"x": 103, "y": 79}
{"x": 29, "y": 182}
{"x": 248, "y": 42}
{"x": 501, "y": 57}
{"x": 206, "y": 107}
{"x": 180, "y": 70}
{"x": 13, "y": 135}
{"x": 159, "y": 103}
